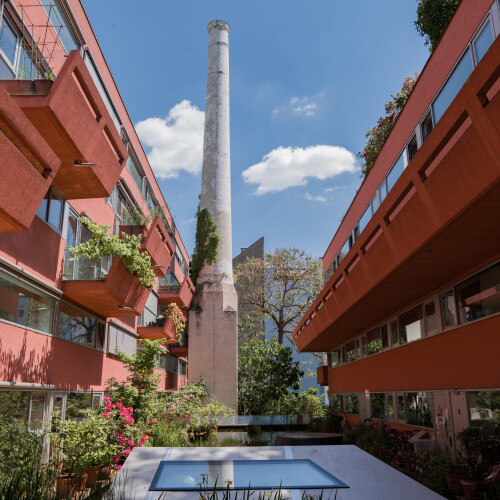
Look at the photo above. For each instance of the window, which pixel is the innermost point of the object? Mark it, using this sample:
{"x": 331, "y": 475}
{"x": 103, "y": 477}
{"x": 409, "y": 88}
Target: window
{"x": 484, "y": 407}
{"x": 427, "y": 126}
{"x": 382, "y": 191}
{"x": 351, "y": 403}
{"x": 375, "y": 203}
{"x": 24, "y": 304}
{"x": 483, "y": 42}
{"x": 480, "y": 296}
{"x": 335, "y": 401}
{"x": 329, "y": 271}
{"x": 411, "y": 325}
{"x": 76, "y": 402}
{"x": 365, "y": 218}
{"x": 82, "y": 268}
{"x": 401, "y": 408}
{"x": 394, "y": 332}
{"x": 61, "y": 23}
{"x": 352, "y": 350}
{"x": 51, "y": 209}
{"x": 452, "y": 86}
{"x": 430, "y": 317}
{"x": 150, "y": 312}
{"x": 343, "y": 252}
{"x": 395, "y": 173}
{"x": 448, "y": 309}
{"x": 333, "y": 359}
{"x": 390, "y": 406}
{"x": 37, "y": 406}
{"x": 171, "y": 364}
{"x": 135, "y": 171}
{"x": 373, "y": 342}
{"x": 377, "y": 402}
{"x": 80, "y": 327}
{"x": 14, "y": 404}
{"x": 412, "y": 148}
{"x": 8, "y": 48}
{"x": 419, "y": 408}
{"x": 385, "y": 336}
{"x": 183, "y": 367}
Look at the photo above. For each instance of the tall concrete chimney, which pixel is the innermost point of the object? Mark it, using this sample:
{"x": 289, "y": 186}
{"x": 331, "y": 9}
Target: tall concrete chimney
{"x": 213, "y": 320}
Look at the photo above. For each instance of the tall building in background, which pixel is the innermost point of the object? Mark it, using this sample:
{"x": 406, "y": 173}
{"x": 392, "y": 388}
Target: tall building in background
{"x": 410, "y": 310}
{"x": 67, "y": 149}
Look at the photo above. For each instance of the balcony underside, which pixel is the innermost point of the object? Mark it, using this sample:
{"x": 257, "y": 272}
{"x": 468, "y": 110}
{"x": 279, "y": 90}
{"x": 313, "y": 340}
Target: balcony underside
{"x": 182, "y": 298}
{"x": 27, "y": 166}
{"x": 167, "y": 332}
{"x": 178, "y": 352}
{"x": 71, "y": 116}
{"x": 118, "y": 295}
{"x": 440, "y": 221}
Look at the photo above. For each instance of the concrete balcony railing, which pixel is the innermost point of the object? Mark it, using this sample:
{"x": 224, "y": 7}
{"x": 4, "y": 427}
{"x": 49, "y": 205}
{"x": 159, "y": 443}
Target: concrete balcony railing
{"x": 115, "y": 294}
{"x": 71, "y": 116}
{"x": 156, "y": 241}
{"x": 27, "y": 166}
{"x": 180, "y": 295}
{"x": 180, "y": 350}
{"x": 322, "y": 375}
{"x": 157, "y": 331}
{"x": 439, "y": 220}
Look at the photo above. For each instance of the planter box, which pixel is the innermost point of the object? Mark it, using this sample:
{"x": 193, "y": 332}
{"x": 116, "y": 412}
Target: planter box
{"x": 71, "y": 116}
{"x": 156, "y": 241}
{"x": 178, "y": 295}
{"x": 28, "y": 166}
{"x": 322, "y": 375}
{"x": 167, "y": 332}
{"x": 117, "y": 295}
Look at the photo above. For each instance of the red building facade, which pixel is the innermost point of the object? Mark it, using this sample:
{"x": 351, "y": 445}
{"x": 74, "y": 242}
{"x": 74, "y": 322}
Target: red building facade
{"x": 410, "y": 310}
{"x": 68, "y": 148}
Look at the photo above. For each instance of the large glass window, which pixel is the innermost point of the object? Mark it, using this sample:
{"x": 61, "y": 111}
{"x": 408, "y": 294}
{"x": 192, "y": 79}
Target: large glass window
{"x": 430, "y": 317}
{"x": 24, "y": 304}
{"x": 171, "y": 364}
{"x": 394, "y": 332}
{"x": 419, "y": 408}
{"x": 61, "y": 23}
{"x": 135, "y": 172}
{"x": 480, "y": 296}
{"x": 343, "y": 252}
{"x": 395, "y": 173}
{"x": 483, "y": 42}
{"x": 377, "y": 402}
{"x": 365, "y": 218}
{"x": 80, "y": 327}
{"x": 448, "y": 309}
{"x": 373, "y": 342}
{"x": 76, "y": 402}
{"x": 335, "y": 401}
{"x": 14, "y": 404}
{"x": 390, "y": 406}
{"x": 26, "y": 68}
{"x": 426, "y": 126}
{"x": 51, "y": 209}
{"x": 484, "y": 407}
{"x": 334, "y": 358}
{"x": 352, "y": 350}
{"x": 411, "y": 325}
{"x": 452, "y": 87}
{"x": 8, "y": 41}
{"x": 351, "y": 403}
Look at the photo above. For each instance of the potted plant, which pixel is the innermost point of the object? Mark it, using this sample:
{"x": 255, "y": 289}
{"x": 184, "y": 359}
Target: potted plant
{"x": 160, "y": 320}
{"x": 476, "y": 457}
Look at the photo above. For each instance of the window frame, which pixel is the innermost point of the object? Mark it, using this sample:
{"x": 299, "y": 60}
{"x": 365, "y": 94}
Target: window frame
{"x": 51, "y": 194}
{"x": 443, "y": 293}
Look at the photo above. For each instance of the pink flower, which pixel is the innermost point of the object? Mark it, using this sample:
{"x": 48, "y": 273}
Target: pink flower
{"x": 130, "y": 409}
{"x": 140, "y": 443}
{"x": 119, "y": 433}
{"x": 144, "y": 438}
{"x": 130, "y": 442}
{"x": 127, "y": 452}
{"x": 105, "y": 415}
{"x": 118, "y": 467}
{"x": 116, "y": 458}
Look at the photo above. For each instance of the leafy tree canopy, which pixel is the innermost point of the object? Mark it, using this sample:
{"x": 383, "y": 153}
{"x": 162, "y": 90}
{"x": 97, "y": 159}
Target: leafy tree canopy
{"x": 432, "y": 18}
{"x": 266, "y": 373}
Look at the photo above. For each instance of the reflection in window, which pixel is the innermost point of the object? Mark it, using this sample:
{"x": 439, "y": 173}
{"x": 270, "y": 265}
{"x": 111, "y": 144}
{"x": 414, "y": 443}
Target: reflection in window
{"x": 484, "y": 408}
{"x": 333, "y": 359}
{"x": 394, "y": 332}
{"x": 401, "y": 408}
{"x": 395, "y": 173}
{"x": 14, "y": 404}
{"x": 412, "y": 148}
{"x": 430, "y": 317}
{"x": 24, "y": 304}
{"x": 365, "y": 218}
{"x": 51, "y": 209}
{"x": 26, "y": 68}
{"x": 390, "y": 406}
{"x": 411, "y": 325}
{"x": 37, "y": 407}
{"x": 426, "y": 126}
{"x": 483, "y": 42}
{"x": 183, "y": 367}
{"x": 343, "y": 252}
{"x": 373, "y": 342}
{"x": 335, "y": 401}
{"x": 135, "y": 172}
{"x": 352, "y": 350}
{"x": 76, "y": 402}
{"x": 480, "y": 296}
{"x": 452, "y": 87}
{"x": 79, "y": 327}
{"x": 8, "y": 41}
{"x": 351, "y": 403}
{"x": 419, "y": 408}
{"x": 61, "y": 23}
{"x": 448, "y": 307}
{"x": 377, "y": 401}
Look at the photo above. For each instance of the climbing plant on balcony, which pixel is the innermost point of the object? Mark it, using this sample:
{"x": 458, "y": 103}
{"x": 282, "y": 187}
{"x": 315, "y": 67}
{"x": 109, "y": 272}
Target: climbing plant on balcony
{"x": 206, "y": 243}
{"x": 376, "y": 137}
{"x": 172, "y": 311}
{"x": 126, "y": 247}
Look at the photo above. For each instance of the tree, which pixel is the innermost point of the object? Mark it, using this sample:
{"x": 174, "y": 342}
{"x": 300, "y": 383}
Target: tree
{"x": 432, "y": 18}
{"x": 283, "y": 285}
{"x": 266, "y": 373}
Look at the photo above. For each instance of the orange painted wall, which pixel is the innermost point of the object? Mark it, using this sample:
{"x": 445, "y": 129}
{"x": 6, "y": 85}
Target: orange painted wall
{"x": 463, "y": 358}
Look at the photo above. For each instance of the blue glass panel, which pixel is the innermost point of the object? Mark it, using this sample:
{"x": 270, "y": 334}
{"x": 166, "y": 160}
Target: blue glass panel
{"x": 343, "y": 251}
{"x": 483, "y": 42}
{"x": 365, "y": 218}
{"x": 452, "y": 87}
{"x": 395, "y": 172}
{"x": 242, "y": 475}
{"x": 61, "y": 24}
{"x": 8, "y": 41}
{"x": 55, "y": 212}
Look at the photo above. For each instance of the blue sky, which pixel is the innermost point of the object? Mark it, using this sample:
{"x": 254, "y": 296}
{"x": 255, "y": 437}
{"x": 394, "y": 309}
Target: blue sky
{"x": 302, "y": 75}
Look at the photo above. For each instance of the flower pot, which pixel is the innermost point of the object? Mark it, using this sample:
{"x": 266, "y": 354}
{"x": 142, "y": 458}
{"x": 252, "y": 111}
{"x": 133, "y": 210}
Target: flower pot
{"x": 453, "y": 477}
{"x": 473, "y": 489}
{"x": 160, "y": 322}
{"x": 92, "y": 475}
{"x": 67, "y": 485}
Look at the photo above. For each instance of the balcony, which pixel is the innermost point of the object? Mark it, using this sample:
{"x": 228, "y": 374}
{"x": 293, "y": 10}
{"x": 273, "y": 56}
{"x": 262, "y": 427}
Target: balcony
{"x": 156, "y": 331}
{"x": 71, "y": 116}
{"x": 111, "y": 294}
{"x": 180, "y": 350}
{"x": 177, "y": 294}
{"x": 439, "y": 220}
{"x": 322, "y": 375}
{"x": 156, "y": 241}
{"x": 28, "y": 166}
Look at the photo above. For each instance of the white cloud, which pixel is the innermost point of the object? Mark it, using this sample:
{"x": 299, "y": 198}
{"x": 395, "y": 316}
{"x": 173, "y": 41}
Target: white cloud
{"x": 288, "y": 167}
{"x": 298, "y": 106}
{"x": 320, "y": 198}
{"x": 334, "y": 188}
{"x": 176, "y": 141}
